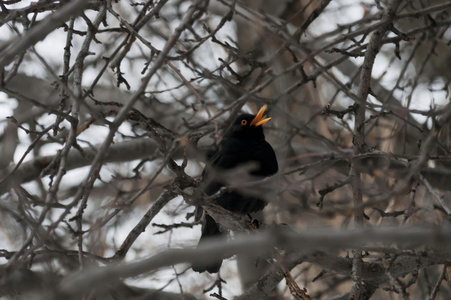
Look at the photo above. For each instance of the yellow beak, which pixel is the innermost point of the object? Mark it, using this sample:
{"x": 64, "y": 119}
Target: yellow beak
{"x": 259, "y": 120}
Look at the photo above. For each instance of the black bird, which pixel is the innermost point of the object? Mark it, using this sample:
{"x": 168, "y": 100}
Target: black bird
{"x": 243, "y": 143}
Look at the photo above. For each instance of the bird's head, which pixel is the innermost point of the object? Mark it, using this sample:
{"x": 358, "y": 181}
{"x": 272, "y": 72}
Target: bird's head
{"x": 247, "y": 126}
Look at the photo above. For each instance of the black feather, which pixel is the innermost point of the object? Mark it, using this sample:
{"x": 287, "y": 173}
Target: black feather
{"x": 242, "y": 144}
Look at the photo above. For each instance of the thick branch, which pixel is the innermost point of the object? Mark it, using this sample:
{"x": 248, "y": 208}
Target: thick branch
{"x": 119, "y": 152}
{"x": 360, "y": 290}
{"x": 261, "y": 243}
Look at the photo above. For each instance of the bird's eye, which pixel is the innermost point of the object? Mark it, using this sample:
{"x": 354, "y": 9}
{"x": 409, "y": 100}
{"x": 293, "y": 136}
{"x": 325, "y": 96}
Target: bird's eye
{"x": 243, "y": 122}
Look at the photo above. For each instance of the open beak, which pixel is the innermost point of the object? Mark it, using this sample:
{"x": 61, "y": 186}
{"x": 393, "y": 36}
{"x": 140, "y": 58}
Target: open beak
{"x": 259, "y": 120}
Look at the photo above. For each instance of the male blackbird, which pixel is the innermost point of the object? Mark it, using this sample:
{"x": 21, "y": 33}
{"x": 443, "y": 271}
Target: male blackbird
{"x": 243, "y": 143}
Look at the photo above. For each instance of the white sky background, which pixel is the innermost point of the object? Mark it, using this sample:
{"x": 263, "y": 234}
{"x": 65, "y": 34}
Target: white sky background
{"x": 51, "y": 49}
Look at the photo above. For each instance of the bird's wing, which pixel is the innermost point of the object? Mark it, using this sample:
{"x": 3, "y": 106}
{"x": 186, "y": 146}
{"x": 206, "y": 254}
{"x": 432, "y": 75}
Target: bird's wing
{"x": 235, "y": 154}
{"x": 217, "y": 162}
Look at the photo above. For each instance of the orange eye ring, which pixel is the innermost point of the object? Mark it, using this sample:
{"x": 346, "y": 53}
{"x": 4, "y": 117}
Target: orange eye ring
{"x": 243, "y": 122}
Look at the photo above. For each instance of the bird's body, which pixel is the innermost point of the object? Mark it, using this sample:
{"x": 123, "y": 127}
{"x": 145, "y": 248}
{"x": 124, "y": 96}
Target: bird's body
{"x": 243, "y": 143}
{"x": 234, "y": 153}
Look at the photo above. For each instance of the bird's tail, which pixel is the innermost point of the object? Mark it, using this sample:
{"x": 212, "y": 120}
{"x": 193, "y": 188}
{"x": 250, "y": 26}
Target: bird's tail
{"x": 210, "y": 230}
